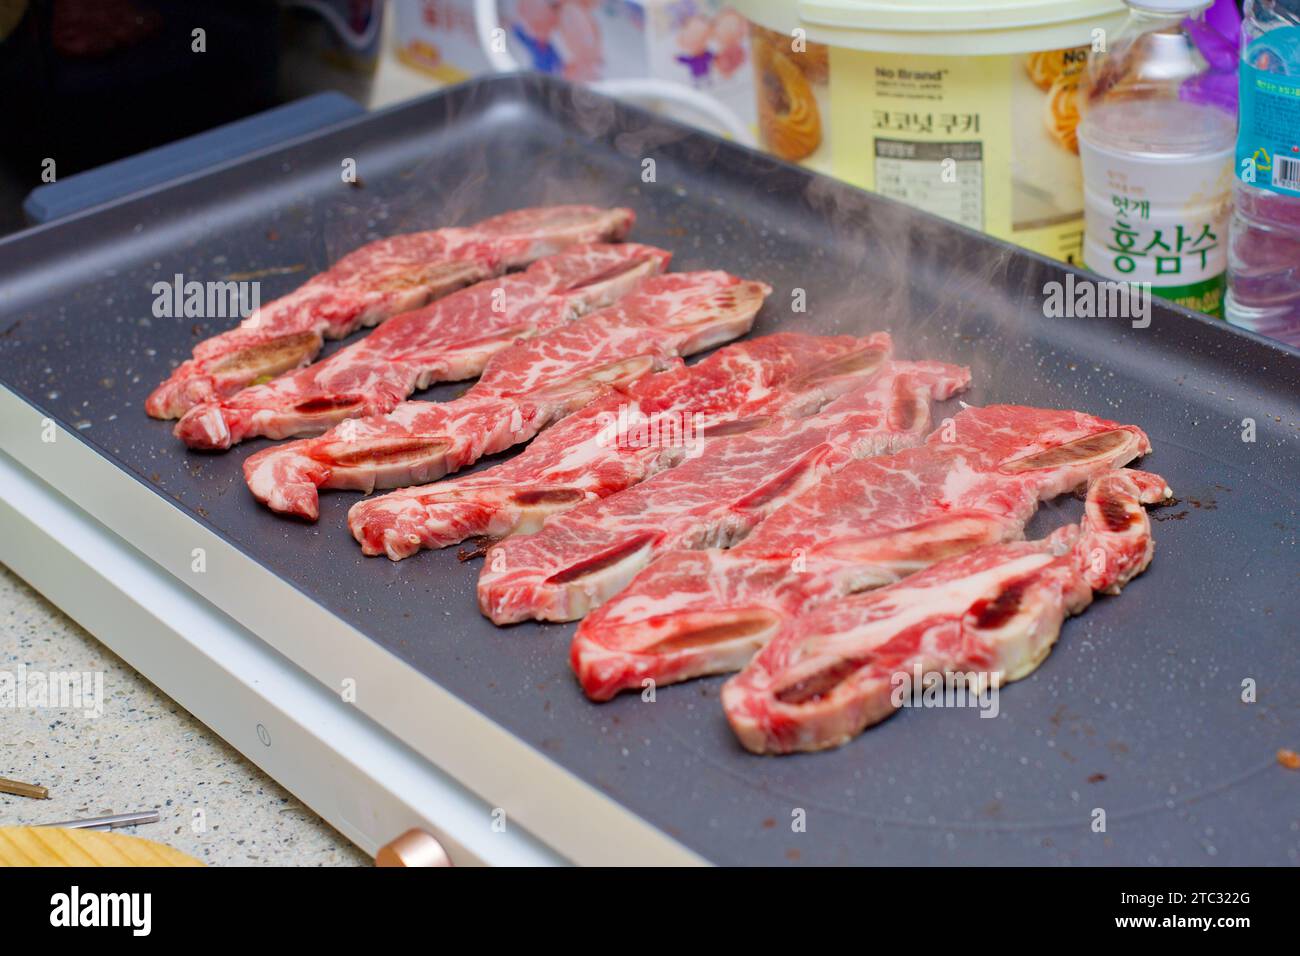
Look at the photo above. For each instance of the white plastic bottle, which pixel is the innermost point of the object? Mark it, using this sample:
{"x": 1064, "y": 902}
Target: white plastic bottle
{"x": 1264, "y": 254}
{"x": 1157, "y": 160}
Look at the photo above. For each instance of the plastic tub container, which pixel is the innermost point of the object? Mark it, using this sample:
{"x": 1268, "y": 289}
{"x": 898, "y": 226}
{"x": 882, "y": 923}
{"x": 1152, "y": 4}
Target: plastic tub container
{"x": 889, "y": 96}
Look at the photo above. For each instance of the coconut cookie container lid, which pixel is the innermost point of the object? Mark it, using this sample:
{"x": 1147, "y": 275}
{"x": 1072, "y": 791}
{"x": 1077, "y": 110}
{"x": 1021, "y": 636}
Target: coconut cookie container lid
{"x": 1171, "y": 6}
{"x": 945, "y": 27}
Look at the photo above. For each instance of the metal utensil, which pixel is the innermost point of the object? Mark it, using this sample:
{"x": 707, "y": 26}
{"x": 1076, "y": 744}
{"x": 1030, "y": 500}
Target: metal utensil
{"x": 111, "y": 822}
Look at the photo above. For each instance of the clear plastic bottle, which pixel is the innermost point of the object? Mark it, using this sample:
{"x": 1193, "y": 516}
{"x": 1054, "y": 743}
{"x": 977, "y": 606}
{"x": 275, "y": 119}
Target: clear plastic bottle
{"x": 1157, "y": 158}
{"x": 1264, "y": 253}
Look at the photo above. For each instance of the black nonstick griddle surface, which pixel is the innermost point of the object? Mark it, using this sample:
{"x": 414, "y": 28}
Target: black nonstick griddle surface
{"x": 1137, "y": 712}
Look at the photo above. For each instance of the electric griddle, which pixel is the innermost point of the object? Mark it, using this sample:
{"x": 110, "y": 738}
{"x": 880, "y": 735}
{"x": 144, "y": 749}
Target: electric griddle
{"x": 378, "y": 694}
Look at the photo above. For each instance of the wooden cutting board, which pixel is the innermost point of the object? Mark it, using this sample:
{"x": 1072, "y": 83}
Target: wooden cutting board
{"x": 52, "y": 846}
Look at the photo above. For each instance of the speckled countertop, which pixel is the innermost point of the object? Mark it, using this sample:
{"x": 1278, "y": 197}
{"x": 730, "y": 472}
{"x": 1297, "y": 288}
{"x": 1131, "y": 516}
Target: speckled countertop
{"x": 144, "y": 752}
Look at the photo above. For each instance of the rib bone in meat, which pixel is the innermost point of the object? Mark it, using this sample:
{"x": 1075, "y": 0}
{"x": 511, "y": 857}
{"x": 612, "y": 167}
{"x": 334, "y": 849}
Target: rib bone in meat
{"x": 977, "y": 480}
{"x": 448, "y": 340}
{"x": 620, "y": 440}
{"x": 990, "y": 615}
{"x": 524, "y": 388}
{"x": 581, "y": 558}
{"x": 369, "y": 285}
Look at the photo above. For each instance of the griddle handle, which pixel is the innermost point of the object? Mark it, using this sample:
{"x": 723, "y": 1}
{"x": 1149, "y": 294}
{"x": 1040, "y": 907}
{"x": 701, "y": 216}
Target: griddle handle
{"x": 187, "y": 156}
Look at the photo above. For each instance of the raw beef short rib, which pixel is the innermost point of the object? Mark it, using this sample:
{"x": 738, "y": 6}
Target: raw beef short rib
{"x": 524, "y": 388}
{"x": 581, "y": 558}
{"x": 983, "y": 619}
{"x": 448, "y": 340}
{"x": 977, "y": 480}
{"x": 620, "y": 440}
{"x": 371, "y": 284}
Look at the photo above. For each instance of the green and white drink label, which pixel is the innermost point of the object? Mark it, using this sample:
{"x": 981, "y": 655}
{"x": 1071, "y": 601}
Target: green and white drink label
{"x": 1160, "y": 221}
